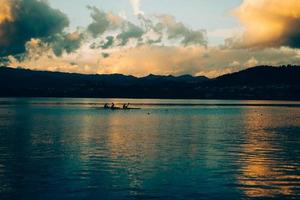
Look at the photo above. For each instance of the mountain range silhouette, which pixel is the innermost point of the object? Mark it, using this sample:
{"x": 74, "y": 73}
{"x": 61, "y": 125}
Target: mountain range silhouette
{"x": 257, "y": 83}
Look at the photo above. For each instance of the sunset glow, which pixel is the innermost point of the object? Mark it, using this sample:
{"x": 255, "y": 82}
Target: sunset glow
{"x": 137, "y": 41}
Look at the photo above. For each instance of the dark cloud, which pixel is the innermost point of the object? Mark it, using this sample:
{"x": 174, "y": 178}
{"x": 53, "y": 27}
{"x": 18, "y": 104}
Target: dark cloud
{"x": 29, "y": 19}
{"x": 151, "y": 41}
{"x": 100, "y": 22}
{"x": 108, "y": 43}
{"x": 66, "y": 42}
{"x": 130, "y": 31}
{"x": 31, "y": 28}
{"x": 159, "y": 26}
{"x": 178, "y": 30}
{"x": 194, "y": 37}
{"x": 291, "y": 37}
{"x": 105, "y": 55}
{"x": 103, "y": 21}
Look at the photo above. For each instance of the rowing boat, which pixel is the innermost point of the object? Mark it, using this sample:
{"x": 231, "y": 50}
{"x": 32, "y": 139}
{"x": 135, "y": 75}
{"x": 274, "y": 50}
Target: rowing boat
{"x": 119, "y": 108}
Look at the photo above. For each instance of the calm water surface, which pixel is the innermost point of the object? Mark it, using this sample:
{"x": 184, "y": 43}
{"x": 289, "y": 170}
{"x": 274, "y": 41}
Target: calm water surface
{"x": 170, "y": 149}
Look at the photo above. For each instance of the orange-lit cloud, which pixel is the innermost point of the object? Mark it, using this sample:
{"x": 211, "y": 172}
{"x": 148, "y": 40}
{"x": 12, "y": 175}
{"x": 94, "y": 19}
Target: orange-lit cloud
{"x": 148, "y": 59}
{"x": 5, "y": 10}
{"x": 5, "y": 15}
{"x": 269, "y": 23}
{"x": 158, "y": 44}
{"x": 22, "y": 20}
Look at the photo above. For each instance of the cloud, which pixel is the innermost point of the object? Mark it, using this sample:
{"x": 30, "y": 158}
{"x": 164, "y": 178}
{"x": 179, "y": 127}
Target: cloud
{"x": 162, "y": 30}
{"x": 269, "y": 23}
{"x": 147, "y": 59}
{"x": 103, "y": 21}
{"x": 177, "y": 30}
{"x": 5, "y": 11}
{"x": 129, "y": 31}
{"x": 21, "y": 20}
{"x": 136, "y": 6}
{"x": 67, "y": 42}
{"x": 100, "y": 22}
{"x": 108, "y": 43}
{"x": 251, "y": 62}
{"x": 225, "y": 33}
{"x": 158, "y": 44}
{"x": 39, "y": 56}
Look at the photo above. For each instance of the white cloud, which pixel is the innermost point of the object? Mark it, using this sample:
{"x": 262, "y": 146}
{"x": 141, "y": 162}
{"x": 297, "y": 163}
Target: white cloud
{"x": 136, "y": 6}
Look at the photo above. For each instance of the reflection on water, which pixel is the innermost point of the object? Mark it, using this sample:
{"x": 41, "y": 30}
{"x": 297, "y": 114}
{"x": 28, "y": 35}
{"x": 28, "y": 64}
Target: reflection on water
{"x": 266, "y": 170}
{"x": 78, "y": 151}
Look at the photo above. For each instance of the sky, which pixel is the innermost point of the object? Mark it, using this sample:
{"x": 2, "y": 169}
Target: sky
{"x": 141, "y": 37}
{"x": 198, "y": 14}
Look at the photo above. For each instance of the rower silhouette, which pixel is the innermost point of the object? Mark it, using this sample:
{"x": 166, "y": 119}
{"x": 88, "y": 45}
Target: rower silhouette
{"x": 112, "y": 106}
{"x": 125, "y": 106}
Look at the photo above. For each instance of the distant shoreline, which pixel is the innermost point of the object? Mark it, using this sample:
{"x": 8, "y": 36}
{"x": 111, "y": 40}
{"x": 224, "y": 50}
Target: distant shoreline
{"x": 132, "y": 98}
{"x": 257, "y": 83}
{"x": 99, "y": 102}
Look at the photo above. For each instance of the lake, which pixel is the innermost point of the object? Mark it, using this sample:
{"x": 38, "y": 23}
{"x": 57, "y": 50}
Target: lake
{"x": 169, "y": 149}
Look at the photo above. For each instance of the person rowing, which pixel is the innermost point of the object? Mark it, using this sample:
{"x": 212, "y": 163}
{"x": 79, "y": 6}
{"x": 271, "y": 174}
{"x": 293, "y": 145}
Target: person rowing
{"x": 106, "y": 105}
{"x": 112, "y": 106}
{"x": 125, "y": 106}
